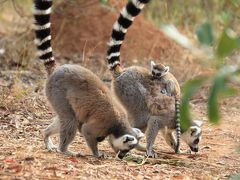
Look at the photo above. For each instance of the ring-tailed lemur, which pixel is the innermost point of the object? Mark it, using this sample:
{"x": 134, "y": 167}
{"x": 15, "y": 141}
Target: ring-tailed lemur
{"x": 171, "y": 88}
{"x": 80, "y": 99}
{"x": 133, "y": 88}
{"x": 161, "y": 72}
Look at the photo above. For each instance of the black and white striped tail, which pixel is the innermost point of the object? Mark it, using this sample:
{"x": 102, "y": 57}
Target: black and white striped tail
{"x": 178, "y": 125}
{"x": 42, "y": 25}
{"x": 127, "y": 15}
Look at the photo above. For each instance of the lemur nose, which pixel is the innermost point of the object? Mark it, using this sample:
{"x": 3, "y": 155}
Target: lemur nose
{"x": 194, "y": 149}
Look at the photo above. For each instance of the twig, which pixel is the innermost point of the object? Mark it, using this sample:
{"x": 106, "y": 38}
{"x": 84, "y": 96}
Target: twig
{"x": 59, "y": 34}
{"x": 17, "y": 8}
{"x": 219, "y": 144}
{"x": 207, "y": 163}
{"x": 84, "y": 51}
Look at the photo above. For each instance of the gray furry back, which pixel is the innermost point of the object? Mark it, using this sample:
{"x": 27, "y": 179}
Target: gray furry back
{"x": 129, "y": 89}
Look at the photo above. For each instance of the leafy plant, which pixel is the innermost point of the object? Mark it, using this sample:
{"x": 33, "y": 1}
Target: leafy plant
{"x": 235, "y": 177}
{"x": 215, "y": 51}
{"x": 227, "y": 43}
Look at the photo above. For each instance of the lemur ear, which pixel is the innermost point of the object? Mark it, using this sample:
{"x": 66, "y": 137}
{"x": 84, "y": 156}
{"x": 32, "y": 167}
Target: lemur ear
{"x": 198, "y": 123}
{"x": 193, "y": 130}
{"x": 129, "y": 139}
{"x": 138, "y": 133}
{"x": 166, "y": 69}
{"x": 152, "y": 64}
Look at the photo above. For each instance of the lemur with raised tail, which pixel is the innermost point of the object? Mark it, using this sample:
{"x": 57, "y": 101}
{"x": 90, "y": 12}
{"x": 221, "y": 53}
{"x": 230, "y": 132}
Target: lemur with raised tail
{"x": 80, "y": 99}
{"x": 149, "y": 109}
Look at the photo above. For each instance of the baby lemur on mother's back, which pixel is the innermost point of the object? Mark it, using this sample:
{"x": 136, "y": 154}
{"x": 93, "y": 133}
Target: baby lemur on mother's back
{"x": 161, "y": 72}
{"x": 80, "y": 99}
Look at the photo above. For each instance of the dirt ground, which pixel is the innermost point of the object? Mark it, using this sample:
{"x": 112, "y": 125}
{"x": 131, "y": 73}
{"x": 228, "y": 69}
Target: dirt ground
{"x": 24, "y": 111}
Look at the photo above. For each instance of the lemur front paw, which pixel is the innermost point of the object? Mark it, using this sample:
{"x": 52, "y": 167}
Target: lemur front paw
{"x": 178, "y": 151}
{"x": 100, "y": 155}
{"x": 151, "y": 154}
{"x": 50, "y": 146}
{"x": 186, "y": 152}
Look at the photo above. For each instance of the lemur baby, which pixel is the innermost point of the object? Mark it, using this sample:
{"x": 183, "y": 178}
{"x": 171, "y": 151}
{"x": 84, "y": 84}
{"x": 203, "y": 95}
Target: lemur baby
{"x": 133, "y": 87}
{"x": 80, "y": 99}
{"x": 161, "y": 72}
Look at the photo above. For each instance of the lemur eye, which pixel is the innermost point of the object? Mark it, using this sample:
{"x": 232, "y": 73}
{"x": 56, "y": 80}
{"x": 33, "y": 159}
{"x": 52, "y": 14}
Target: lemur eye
{"x": 128, "y": 139}
{"x": 196, "y": 141}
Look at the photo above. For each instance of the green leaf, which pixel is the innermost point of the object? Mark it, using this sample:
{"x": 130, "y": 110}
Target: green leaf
{"x": 189, "y": 90}
{"x": 205, "y": 34}
{"x": 226, "y": 17}
{"x": 235, "y": 177}
{"x": 103, "y": 1}
{"x": 229, "y": 91}
{"x": 227, "y": 44}
{"x": 238, "y": 149}
{"x": 235, "y": 3}
{"x": 213, "y": 112}
{"x": 219, "y": 88}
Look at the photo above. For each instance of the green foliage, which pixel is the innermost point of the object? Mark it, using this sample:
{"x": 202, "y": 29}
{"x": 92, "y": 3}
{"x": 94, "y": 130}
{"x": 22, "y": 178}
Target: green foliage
{"x": 189, "y": 90}
{"x": 227, "y": 44}
{"x": 235, "y": 177}
{"x": 187, "y": 14}
{"x": 104, "y": 2}
{"x": 221, "y": 48}
{"x": 205, "y": 34}
{"x": 238, "y": 149}
{"x": 219, "y": 87}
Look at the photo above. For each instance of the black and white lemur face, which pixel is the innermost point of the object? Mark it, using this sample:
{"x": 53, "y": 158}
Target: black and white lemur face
{"x": 123, "y": 144}
{"x": 193, "y": 135}
{"x": 159, "y": 70}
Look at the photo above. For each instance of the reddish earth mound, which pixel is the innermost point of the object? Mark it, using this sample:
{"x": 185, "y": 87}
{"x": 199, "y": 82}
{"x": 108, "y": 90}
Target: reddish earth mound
{"x": 85, "y": 26}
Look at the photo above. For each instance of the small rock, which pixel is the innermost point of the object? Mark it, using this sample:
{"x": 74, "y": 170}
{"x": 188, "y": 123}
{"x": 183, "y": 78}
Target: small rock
{"x": 206, "y": 147}
{"x": 2, "y": 51}
{"x": 29, "y": 159}
{"x": 25, "y": 122}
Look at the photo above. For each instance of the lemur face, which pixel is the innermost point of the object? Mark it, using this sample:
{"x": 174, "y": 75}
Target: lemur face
{"x": 125, "y": 143}
{"x": 159, "y": 70}
{"x": 193, "y": 136}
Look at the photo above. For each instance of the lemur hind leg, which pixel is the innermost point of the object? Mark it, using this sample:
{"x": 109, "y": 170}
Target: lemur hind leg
{"x": 151, "y": 135}
{"x": 52, "y": 129}
{"x": 68, "y": 129}
{"x": 170, "y": 139}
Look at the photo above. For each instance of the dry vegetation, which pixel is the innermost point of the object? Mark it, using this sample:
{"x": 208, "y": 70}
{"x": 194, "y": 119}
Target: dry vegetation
{"x": 24, "y": 111}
